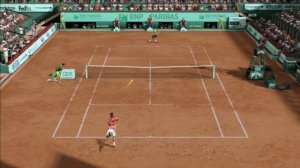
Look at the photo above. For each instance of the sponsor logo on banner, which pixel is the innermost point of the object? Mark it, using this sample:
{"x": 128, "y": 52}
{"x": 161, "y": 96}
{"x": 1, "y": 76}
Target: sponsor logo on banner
{"x": 68, "y": 74}
{"x": 27, "y": 7}
{"x": 15, "y": 65}
{"x": 123, "y": 17}
{"x": 165, "y": 16}
{"x": 271, "y": 48}
{"x": 271, "y": 6}
{"x": 42, "y": 39}
{"x": 237, "y": 22}
{"x": 253, "y": 32}
{"x": 34, "y": 47}
{"x": 23, "y": 58}
{"x": 86, "y": 16}
{"x": 18, "y": 62}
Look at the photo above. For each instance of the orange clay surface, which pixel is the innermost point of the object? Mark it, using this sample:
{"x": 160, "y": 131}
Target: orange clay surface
{"x": 167, "y": 120}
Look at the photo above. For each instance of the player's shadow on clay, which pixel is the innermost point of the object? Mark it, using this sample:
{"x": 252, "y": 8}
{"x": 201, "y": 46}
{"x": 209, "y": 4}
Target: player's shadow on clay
{"x": 101, "y": 144}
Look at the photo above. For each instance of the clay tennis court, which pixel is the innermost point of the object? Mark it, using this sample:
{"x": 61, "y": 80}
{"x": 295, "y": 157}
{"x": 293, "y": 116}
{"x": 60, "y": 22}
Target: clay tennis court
{"x": 169, "y": 117}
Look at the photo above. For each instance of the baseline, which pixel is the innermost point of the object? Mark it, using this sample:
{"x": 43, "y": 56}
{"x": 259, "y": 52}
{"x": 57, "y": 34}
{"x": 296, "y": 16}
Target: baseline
{"x": 155, "y": 137}
{"x": 156, "y": 104}
{"x": 121, "y": 58}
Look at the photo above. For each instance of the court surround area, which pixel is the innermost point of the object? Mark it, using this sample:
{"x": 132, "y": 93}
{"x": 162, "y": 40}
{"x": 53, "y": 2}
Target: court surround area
{"x": 159, "y": 89}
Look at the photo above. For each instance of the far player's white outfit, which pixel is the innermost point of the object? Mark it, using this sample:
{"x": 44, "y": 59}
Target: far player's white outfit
{"x": 111, "y": 132}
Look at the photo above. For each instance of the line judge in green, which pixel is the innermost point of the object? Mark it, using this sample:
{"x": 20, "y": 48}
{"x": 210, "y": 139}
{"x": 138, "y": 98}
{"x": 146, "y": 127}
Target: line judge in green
{"x": 221, "y": 22}
{"x": 62, "y": 22}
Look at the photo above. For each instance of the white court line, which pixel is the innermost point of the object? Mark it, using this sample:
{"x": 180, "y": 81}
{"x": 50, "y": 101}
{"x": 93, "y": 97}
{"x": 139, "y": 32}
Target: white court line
{"x": 150, "y": 46}
{"x": 121, "y": 58}
{"x": 228, "y": 98}
{"x": 107, "y": 104}
{"x": 104, "y": 104}
{"x": 74, "y": 92}
{"x": 150, "y": 83}
{"x": 155, "y": 137}
{"x": 88, "y": 107}
{"x": 147, "y": 67}
{"x": 207, "y": 95}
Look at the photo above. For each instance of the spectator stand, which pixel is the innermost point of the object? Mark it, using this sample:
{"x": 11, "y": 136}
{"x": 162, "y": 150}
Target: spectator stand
{"x": 18, "y": 39}
{"x": 156, "y": 6}
{"x": 37, "y": 13}
{"x": 21, "y": 57}
{"x": 10, "y": 39}
{"x": 93, "y": 7}
{"x": 289, "y": 64}
{"x": 149, "y": 6}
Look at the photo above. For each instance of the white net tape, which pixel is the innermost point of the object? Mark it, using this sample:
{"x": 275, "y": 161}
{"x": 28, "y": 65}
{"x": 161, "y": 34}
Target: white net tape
{"x": 172, "y": 71}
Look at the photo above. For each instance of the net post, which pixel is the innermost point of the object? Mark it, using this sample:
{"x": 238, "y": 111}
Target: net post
{"x": 214, "y": 71}
{"x": 86, "y": 71}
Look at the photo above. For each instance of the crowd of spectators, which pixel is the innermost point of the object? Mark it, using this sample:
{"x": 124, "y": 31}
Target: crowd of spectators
{"x": 12, "y": 44}
{"x": 279, "y": 38}
{"x": 9, "y": 20}
{"x": 290, "y": 21}
{"x": 188, "y": 5}
{"x": 150, "y": 1}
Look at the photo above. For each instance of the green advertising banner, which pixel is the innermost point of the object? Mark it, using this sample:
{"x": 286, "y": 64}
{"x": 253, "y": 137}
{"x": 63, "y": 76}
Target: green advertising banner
{"x": 272, "y": 49}
{"x": 237, "y": 23}
{"x": 27, "y": 7}
{"x": 143, "y": 16}
{"x": 266, "y": 6}
{"x": 253, "y": 32}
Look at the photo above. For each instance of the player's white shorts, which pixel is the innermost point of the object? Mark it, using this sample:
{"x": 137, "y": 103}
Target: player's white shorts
{"x": 111, "y": 132}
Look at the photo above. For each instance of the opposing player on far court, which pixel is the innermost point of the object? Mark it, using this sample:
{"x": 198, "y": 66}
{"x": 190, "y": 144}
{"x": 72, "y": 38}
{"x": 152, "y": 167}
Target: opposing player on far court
{"x": 112, "y": 124}
{"x": 154, "y": 36}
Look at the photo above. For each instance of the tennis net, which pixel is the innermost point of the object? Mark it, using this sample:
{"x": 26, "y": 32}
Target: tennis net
{"x": 111, "y": 71}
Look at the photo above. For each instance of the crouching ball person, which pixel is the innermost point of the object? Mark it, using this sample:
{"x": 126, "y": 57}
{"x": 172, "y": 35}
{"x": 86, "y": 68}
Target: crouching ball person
{"x": 55, "y": 76}
{"x": 112, "y": 124}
